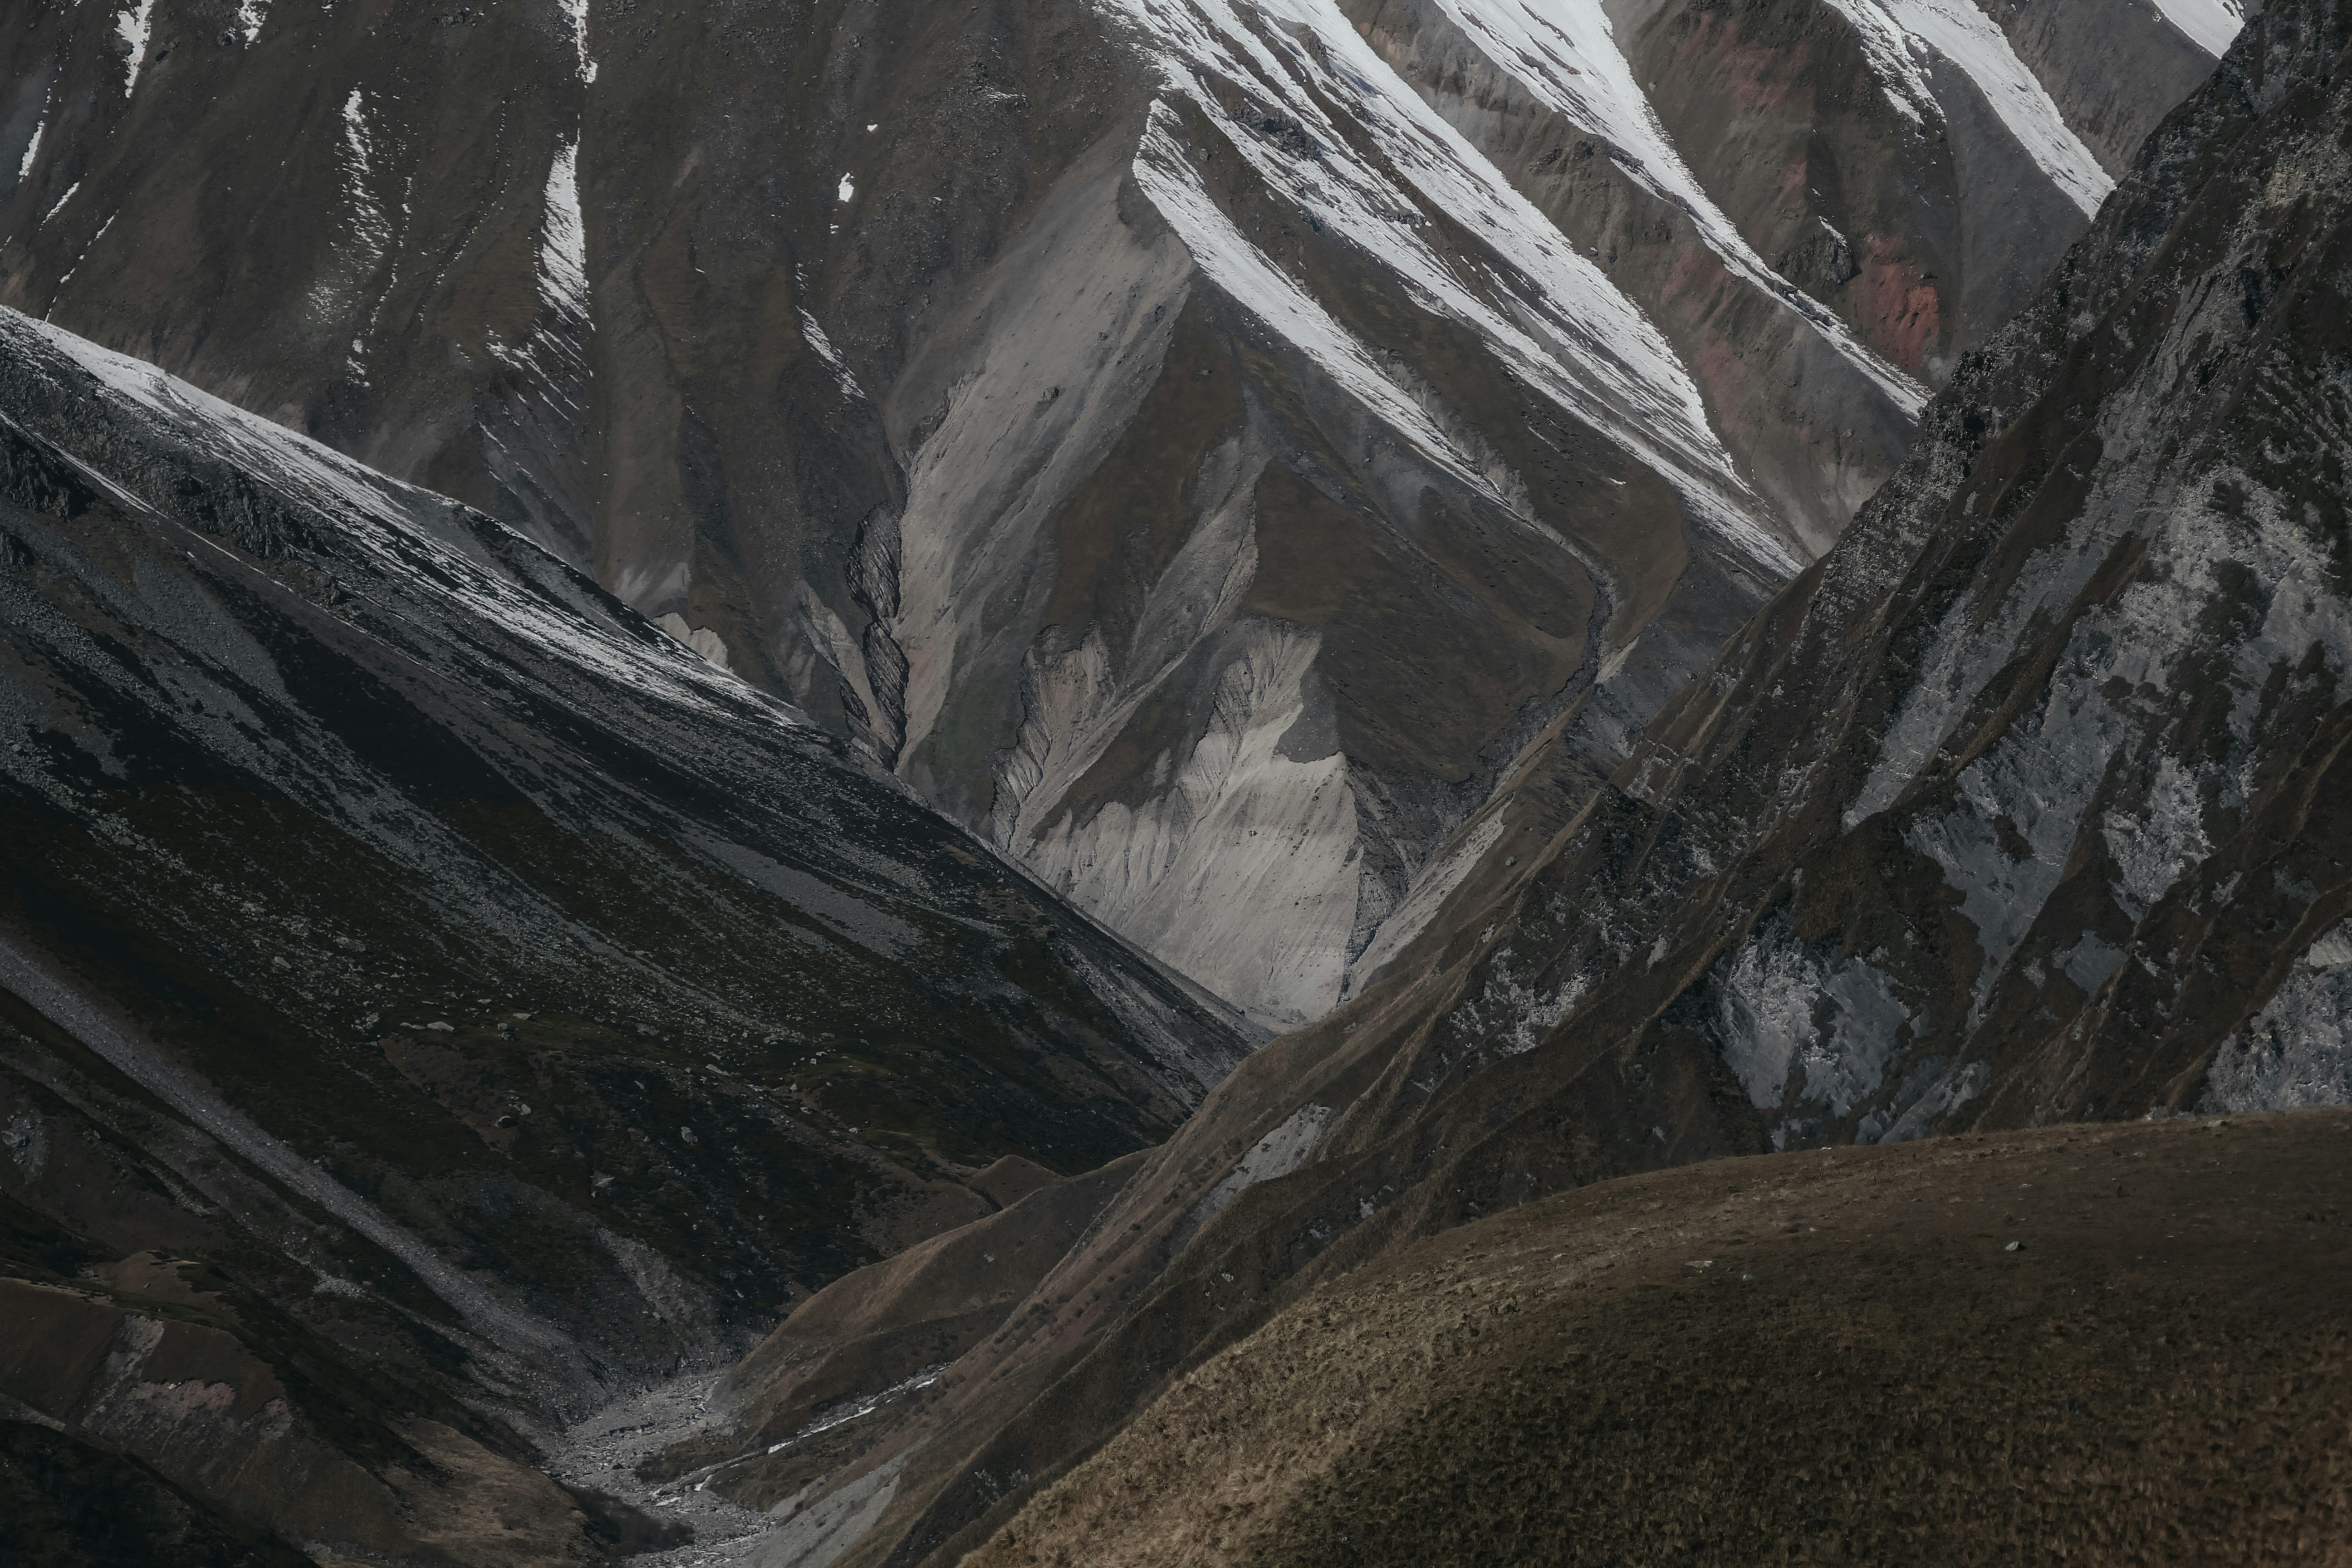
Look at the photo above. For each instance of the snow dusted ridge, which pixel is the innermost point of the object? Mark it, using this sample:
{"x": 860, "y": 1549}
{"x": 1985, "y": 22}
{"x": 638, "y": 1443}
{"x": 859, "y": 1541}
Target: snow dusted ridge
{"x": 1903, "y": 38}
{"x": 1556, "y": 320}
{"x": 410, "y": 531}
{"x": 1566, "y": 55}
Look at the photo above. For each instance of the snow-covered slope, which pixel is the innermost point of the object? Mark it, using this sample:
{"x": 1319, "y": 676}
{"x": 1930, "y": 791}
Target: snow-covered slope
{"x": 1003, "y": 394}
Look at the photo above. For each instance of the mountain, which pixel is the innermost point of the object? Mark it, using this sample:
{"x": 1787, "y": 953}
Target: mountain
{"x": 1202, "y": 450}
{"x": 2021, "y": 808}
{"x": 434, "y": 1003}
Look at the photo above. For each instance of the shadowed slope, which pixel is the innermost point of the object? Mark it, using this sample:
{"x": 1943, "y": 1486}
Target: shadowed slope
{"x": 433, "y": 1003}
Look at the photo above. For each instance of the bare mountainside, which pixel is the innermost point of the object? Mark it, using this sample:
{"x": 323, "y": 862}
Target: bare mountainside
{"x": 434, "y": 1003}
{"x": 2025, "y": 805}
{"x": 1202, "y": 449}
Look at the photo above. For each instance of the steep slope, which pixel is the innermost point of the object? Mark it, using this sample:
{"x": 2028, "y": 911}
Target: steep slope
{"x": 433, "y": 1003}
{"x": 1199, "y": 448}
{"x": 2022, "y": 806}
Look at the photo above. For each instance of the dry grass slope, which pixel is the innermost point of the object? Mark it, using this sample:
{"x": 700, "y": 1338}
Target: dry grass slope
{"x": 1818, "y": 1357}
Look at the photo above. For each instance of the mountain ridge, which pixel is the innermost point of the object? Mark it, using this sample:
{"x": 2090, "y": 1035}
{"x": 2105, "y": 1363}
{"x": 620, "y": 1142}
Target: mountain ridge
{"x": 1609, "y": 315}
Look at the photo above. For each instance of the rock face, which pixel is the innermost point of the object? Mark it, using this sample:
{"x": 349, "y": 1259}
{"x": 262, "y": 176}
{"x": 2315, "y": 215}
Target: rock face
{"x": 2024, "y": 805}
{"x": 433, "y": 1002}
{"x": 1199, "y": 448}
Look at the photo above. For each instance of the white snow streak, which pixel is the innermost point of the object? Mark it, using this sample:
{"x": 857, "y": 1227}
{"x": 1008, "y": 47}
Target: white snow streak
{"x": 33, "y": 148}
{"x": 551, "y": 354}
{"x": 375, "y": 232}
{"x": 814, "y": 337}
{"x": 2210, "y": 24}
{"x": 1565, "y": 53}
{"x": 1902, "y": 37}
{"x": 61, "y": 203}
{"x": 1551, "y": 316}
{"x": 131, "y": 27}
{"x": 370, "y": 231}
{"x": 576, "y": 12}
{"x": 564, "y": 240}
{"x": 88, "y": 248}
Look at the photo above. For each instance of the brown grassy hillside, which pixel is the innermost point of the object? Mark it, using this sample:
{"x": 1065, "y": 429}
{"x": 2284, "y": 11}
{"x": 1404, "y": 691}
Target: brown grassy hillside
{"x": 1815, "y": 1357}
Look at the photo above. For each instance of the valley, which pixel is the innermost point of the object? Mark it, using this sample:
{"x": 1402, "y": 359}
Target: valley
{"x": 1369, "y": 781}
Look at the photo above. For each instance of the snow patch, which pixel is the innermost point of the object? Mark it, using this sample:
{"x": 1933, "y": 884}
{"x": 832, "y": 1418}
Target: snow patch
{"x": 847, "y": 191}
{"x": 250, "y": 15}
{"x": 564, "y": 240}
{"x": 552, "y": 354}
{"x": 33, "y": 148}
{"x": 2212, "y": 25}
{"x": 131, "y": 27}
{"x": 364, "y": 247}
{"x": 61, "y": 205}
{"x": 577, "y": 12}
